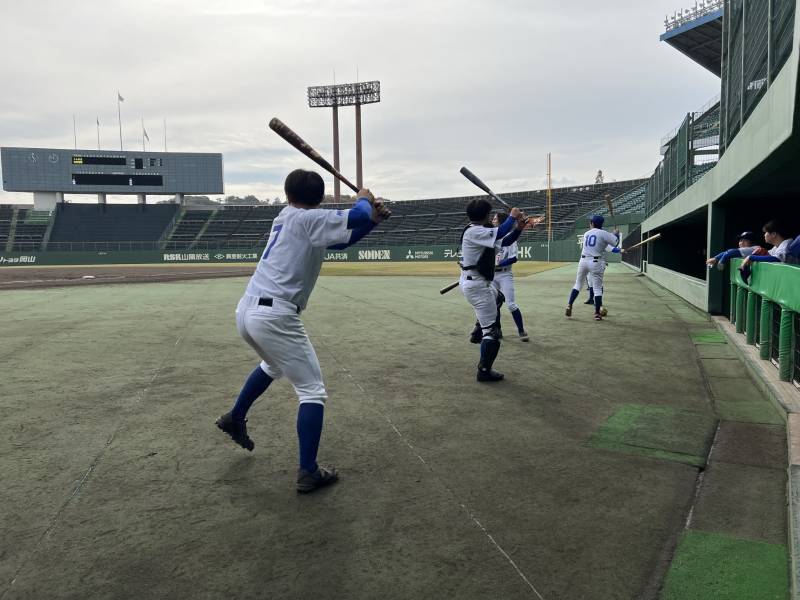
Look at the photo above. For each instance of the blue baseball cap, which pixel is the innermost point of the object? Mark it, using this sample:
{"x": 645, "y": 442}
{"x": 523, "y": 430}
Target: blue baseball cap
{"x": 597, "y": 220}
{"x": 748, "y": 235}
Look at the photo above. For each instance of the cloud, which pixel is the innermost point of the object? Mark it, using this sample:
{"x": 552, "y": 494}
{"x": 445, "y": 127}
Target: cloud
{"x": 495, "y": 85}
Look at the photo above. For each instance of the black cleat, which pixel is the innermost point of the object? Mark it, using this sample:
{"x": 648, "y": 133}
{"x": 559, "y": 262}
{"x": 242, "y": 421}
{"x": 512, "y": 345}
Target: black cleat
{"x": 589, "y": 301}
{"x": 568, "y": 311}
{"x": 308, "y": 482}
{"x": 489, "y": 375}
{"x": 597, "y": 317}
{"x": 237, "y": 430}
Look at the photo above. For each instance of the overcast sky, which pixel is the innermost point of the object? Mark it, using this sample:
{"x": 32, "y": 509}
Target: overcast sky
{"x": 494, "y": 85}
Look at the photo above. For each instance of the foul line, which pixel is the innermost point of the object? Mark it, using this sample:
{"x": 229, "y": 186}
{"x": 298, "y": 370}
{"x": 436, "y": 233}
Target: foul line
{"x": 449, "y": 490}
{"x": 140, "y": 395}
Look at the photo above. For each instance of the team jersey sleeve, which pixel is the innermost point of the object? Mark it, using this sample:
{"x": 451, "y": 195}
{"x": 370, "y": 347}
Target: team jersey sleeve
{"x": 610, "y": 239}
{"x": 482, "y": 236}
{"x": 326, "y": 227}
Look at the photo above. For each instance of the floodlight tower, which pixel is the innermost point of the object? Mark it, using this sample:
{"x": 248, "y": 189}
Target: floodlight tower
{"x": 345, "y": 94}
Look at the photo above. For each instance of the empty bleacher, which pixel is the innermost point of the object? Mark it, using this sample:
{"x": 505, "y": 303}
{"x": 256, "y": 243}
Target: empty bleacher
{"x": 436, "y": 221}
{"x": 413, "y": 222}
{"x": 6, "y": 215}
{"x": 30, "y": 228}
{"x": 99, "y": 227}
{"x": 192, "y": 222}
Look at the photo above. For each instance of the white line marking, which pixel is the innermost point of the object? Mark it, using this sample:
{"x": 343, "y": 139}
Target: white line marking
{"x": 449, "y": 490}
{"x": 140, "y": 395}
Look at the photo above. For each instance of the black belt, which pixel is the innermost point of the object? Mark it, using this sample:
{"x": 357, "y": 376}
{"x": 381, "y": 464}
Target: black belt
{"x": 268, "y": 302}
{"x": 592, "y": 257}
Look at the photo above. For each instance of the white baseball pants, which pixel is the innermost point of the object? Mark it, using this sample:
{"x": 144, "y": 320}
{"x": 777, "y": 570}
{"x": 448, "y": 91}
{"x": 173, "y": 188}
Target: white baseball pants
{"x": 505, "y": 283}
{"x": 593, "y": 271}
{"x": 277, "y": 335}
{"x": 483, "y": 298}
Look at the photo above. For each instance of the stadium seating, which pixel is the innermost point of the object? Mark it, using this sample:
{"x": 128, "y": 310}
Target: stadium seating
{"x": 31, "y": 226}
{"x": 191, "y": 223}
{"x": 97, "y": 226}
{"x": 6, "y": 215}
{"x": 414, "y": 222}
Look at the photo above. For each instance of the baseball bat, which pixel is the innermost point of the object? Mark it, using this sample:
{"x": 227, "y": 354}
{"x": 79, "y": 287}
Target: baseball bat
{"x": 650, "y": 239}
{"x": 447, "y": 288}
{"x": 477, "y": 181}
{"x": 610, "y": 204}
{"x": 283, "y": 130}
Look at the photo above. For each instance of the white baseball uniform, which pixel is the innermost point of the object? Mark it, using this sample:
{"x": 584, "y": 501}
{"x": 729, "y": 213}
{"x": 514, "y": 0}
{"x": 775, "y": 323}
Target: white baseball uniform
{"x": 609, "y": 248}
{"x": 779, "y": 251}
{"x": 504, "y": 276}
{"x": 476, "y": 289}
{"x": 592, "y": 263}
{"x": 268, "y": 314}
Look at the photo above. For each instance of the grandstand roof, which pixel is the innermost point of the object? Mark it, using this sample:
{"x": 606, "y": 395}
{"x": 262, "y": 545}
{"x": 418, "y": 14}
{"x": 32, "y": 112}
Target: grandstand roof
{"x": 700, "y": 39}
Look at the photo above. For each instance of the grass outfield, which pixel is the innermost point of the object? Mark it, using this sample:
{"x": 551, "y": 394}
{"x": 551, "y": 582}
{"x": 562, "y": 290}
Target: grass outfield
{"x": 566, "y": 480}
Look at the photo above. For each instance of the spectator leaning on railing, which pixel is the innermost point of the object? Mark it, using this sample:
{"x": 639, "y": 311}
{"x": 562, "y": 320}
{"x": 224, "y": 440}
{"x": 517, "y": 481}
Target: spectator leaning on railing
{"x": 747, "y": 239}
{"x": 775, "y": 235}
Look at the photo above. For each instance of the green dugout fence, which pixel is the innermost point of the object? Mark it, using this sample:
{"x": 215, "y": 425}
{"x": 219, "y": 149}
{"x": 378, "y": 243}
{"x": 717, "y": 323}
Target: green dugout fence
{"x": 767, "y": 312}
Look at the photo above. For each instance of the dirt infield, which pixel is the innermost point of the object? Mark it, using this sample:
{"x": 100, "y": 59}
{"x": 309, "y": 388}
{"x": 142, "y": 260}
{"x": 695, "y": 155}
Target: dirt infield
{"x": 12, "y": 278}
{"x": 45, "y": 277}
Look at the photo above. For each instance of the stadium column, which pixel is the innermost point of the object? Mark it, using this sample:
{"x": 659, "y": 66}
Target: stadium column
{"x": 179, "y": 199}
{"x": 716, "y": 284}
{"x": 101, "y": 198}
{"x": 359, "y": 173}
{"x": 142, "y": 198}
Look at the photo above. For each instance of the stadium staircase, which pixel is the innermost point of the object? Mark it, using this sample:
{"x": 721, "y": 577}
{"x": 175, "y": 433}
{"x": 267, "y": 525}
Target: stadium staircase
{"x": 8, "y": 217}
{"x": 28, "y": 229}
{"x": 170, "y": 228}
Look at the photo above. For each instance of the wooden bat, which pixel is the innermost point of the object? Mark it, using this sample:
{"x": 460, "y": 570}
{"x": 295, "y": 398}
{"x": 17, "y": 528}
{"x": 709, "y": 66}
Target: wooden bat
{"x": 650, "y": 239}
{"x": 447, "y": 288}
{"x": 477, "y": 181}
{"x": 610, "y": 204}
{"x": 283, "y": 130}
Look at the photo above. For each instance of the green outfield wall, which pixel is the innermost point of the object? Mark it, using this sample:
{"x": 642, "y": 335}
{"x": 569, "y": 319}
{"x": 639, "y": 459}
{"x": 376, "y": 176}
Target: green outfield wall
{"x": 559, "y": 251}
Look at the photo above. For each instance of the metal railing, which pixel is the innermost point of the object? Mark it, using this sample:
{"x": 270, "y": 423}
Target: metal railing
{"x": 687, "y": 15}
{"x": 757, "y": 39}
{"x": 689, "y": 152}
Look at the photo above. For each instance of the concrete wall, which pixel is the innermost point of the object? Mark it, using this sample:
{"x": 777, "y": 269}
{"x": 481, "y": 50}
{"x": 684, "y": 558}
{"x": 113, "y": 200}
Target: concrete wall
{"x": 694, "y": 291}
{"x": 770, "y": 126}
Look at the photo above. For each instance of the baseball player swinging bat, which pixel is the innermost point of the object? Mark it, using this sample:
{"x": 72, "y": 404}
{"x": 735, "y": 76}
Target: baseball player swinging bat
{"x": 283, "y": 130}
{"x": 650, "y": 239}
{"x": 477, "y": 181}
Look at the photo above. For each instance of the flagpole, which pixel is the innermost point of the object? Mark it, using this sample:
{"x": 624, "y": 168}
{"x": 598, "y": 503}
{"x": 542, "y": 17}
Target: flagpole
{"x": 74, "y": 132}
{"x": 98, "y": 133}
{"x": 119, "y": 119}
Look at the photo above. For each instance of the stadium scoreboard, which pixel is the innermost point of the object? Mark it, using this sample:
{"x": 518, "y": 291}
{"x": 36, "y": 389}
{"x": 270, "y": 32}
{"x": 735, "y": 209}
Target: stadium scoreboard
{"x": 110, "y": 172}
